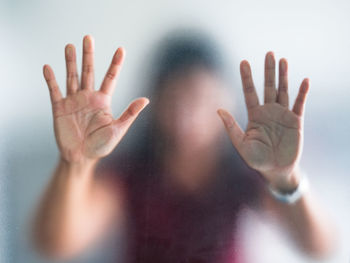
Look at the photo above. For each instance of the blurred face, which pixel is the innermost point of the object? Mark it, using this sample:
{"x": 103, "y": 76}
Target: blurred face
{"x": 186, "y": 112}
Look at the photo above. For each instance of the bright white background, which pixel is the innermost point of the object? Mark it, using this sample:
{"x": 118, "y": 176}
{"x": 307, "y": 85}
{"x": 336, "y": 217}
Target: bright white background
{"x": 314, "y": 35}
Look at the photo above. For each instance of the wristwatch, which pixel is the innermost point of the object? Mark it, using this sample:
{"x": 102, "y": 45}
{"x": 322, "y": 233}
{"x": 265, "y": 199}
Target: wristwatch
{"x": 293, "y": 197}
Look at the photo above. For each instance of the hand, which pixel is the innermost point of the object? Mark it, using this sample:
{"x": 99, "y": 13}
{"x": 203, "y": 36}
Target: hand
{"x": 273, "y": 141}
{"x": 84, "y": 126}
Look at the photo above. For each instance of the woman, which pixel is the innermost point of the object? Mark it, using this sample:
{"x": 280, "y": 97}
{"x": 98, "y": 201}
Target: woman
{"x": 180, "y": 192}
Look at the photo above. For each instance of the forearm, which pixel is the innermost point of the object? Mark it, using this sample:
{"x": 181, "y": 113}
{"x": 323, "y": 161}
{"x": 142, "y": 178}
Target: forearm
{"x": 308, "y": 223}
{"x": 64, "y": 204}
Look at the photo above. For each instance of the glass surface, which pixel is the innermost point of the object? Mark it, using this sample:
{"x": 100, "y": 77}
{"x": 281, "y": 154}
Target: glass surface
{"x": 174, "y": 189}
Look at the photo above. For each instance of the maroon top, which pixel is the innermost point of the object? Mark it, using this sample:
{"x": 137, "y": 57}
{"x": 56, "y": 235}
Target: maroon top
{"x": 165, "y": 225}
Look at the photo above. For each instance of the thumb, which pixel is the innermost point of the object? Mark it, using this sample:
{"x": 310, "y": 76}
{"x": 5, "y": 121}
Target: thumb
{"x": 232, "y": 127}
{"x": 130, "y": 114}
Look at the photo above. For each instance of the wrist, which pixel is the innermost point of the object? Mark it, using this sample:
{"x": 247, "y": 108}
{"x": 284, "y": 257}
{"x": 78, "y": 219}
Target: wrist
{"x": 293, "y": 196}
{"x": 284, "y": 183}
{"x": 81, "y": 166}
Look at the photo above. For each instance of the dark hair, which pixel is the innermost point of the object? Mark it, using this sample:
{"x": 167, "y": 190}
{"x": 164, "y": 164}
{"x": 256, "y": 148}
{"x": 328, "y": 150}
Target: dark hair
{"x": 181, "y": 51}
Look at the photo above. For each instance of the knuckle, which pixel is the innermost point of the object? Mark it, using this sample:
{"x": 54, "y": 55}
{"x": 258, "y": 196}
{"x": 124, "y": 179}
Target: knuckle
{"x": 131, "y": 112}
{"x": 249, "y": 89}
{"x": 270, "y": 83}
{"x": 111, "y": 75}
{"x": 88, "y": 68}
{"x": 52, "y": 88}
{"x": 299, "y": 100}
{"x": 72, "y": 75}
{"x": 283, "y": 88}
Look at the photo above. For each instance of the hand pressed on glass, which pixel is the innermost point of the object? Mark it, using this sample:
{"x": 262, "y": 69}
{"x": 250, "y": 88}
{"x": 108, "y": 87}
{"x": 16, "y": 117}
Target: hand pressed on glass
{"x": 272, "y": 142}
{"x": 84, "y": 126}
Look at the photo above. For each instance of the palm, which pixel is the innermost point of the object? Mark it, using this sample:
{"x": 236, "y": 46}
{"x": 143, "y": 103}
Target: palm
{"x": 84, "y": 125}
{"x": 272, "y": 142}
{"x": 272, "y": 139}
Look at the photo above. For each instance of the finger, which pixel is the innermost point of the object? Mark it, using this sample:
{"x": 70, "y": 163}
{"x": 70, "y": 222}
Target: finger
{"x": 55, "y": 93}
{"x": 282, "y": 96}
{"x": 301, "y": 98}
{"x": 131, "y": 113}
{"x": 87, "y": 77}
{"x": 232, "y": 127}
{"x": 251, "y": 98}
{"x": 110, "y": 80}
{"x": 270, "y": 79}
{"x": 71, "y": 65}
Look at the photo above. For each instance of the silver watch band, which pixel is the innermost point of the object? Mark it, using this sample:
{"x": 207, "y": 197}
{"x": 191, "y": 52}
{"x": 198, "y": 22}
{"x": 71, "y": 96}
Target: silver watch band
{"x": 293, "y": 197}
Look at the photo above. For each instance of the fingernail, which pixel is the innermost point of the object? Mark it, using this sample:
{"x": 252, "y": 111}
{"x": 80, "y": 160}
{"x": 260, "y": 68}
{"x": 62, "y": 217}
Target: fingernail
{"x": 46, "y": 71}
{"x": 305, "y": 88}
{"x": 88, "y": 42}
{"x": 245, "y": 67}
{"x": 120, "y": 52}
{"x": 226, "y": 119}
{"x": 270, "y": 59}
{"x": 69, "y": 51}
{"x": 283, "y": 65}
{"x": 117, "y": 54}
